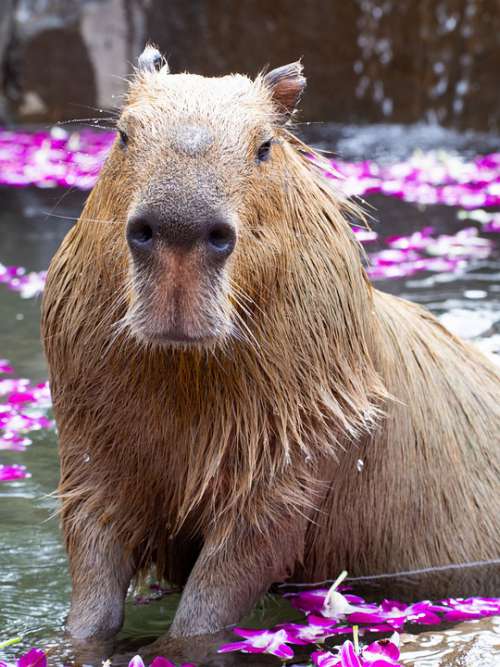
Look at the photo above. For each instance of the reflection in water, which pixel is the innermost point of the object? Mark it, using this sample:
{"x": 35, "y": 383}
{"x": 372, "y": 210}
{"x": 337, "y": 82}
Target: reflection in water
{"x": 471, "y": 644}
{"x": 34, "y": 584}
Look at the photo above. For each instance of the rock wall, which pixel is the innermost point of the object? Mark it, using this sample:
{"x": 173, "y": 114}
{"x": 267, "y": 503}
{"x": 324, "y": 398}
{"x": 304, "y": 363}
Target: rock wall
{"x": 366, "y": 60}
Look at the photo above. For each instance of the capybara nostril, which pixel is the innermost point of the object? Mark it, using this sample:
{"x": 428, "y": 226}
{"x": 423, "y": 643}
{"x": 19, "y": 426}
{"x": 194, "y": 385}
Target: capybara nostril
{"x": 140, "y": 233}
{"x": 146, "y": 231}
{"x": 221, "y": 239}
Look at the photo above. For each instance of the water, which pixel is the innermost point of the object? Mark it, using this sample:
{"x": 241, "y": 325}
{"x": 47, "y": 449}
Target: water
{"x": 34, "y": 584}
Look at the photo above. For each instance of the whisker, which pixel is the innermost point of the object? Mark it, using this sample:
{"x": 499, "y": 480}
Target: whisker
{"x": 92, "y": 107}
{"x": 244, "y": 331}
{"x": 238, "y": 290}
{"x": 125, "y": 79}
{"x": 75, "y": 219}
{"x": 61, "y": 198}
{"x": 76, "y": 121}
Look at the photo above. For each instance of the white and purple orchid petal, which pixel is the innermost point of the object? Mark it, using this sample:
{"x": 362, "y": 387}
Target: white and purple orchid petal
{"x": 325, "y": 659}
{"x": 316, "y": 630}
{"x": 260, "y": 641}
{"x": 336, "y": 605}
{"x": 234, "y": 646}
{"x": 160, "y": 661}
{"x": 249, "y": 633}
{"x": 341, "y": 630}
{"x": 11, "y": 473}
{"x": 369, "y": 616}
{"x": 33, "y": 658}
{"x": 308, "y": 601}
{"x": 136, "y": 661}
{"x": 276, "y": 643}
{"x": 426, "y": 617}
{"x": 282, "y": 651}
{"x": 5, "y": 366}
{"x": 348, "y": 655}
{"x": 385, "y": 650}
{"x": 354, "y": 599}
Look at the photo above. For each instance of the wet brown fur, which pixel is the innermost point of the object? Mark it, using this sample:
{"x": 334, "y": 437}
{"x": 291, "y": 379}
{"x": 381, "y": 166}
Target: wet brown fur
{"x": 236, "y": 462}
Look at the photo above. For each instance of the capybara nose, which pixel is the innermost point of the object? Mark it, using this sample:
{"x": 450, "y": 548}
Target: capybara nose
{"x": 146, "y": 232}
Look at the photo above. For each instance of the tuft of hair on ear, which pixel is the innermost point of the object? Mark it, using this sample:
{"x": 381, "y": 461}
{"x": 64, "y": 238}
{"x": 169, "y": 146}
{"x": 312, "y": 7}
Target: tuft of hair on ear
{"x": 286, "y": 85}
{"x": 151, "y": 60}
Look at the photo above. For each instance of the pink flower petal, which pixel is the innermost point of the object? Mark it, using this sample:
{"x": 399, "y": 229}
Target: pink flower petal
{"x": 5, "y": 367}
{"x": 136, "y": 662}
{"x": 325, "y": 659}
{"x": 348, "y": 656}
{"x": 383, "y": 651}
{"x": 10, "y": 473}
{"x": 316, "y": 630}
{"x": 160, "y": 661}
{"x": 33, "y": 658}
{"x": 261, "y": 641}
{"x": 234, "y": 646}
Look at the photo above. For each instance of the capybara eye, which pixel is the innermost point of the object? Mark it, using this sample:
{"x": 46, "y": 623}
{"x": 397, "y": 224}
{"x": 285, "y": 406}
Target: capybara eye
{"x": 264, "y": 151}
{"x": 123, "y": 138}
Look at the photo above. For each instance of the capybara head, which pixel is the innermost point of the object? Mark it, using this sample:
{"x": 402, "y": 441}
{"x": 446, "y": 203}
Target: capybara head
{"x": 202, "y": 158}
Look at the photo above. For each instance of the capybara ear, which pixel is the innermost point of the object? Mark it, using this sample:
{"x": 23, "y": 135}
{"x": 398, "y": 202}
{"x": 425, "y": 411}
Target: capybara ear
{"x": 287, "y": 85}
{"x": 151, "y": 60}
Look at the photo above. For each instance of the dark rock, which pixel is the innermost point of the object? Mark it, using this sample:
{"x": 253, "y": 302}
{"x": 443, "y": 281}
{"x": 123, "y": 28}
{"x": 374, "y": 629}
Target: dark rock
{"x": 6, "y": 19}
{"x": 64, "y": 57}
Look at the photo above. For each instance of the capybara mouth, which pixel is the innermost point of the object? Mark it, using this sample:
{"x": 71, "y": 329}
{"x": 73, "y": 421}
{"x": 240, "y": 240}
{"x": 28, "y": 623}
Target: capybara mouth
{"x": 178, "y": 337}
{"x": 178, "y": 299}
{"x": 168, "y": 332}
{"x": 201, "y": 321}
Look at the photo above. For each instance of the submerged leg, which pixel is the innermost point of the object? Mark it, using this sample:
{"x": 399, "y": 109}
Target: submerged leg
{"x": 101, "y": 572}
{"x": 228, "y": 580}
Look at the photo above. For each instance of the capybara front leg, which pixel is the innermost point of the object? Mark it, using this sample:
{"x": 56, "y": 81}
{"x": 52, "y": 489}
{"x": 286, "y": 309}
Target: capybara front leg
{"x": 228, "y": 579}
{"x": 101, "y": 574}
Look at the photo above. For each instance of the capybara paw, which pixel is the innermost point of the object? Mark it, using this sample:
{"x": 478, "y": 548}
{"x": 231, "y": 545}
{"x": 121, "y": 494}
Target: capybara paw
{"x": 87, "y": 628}
{"x": 200, "y": 650}
{"x": 91, "y": 651}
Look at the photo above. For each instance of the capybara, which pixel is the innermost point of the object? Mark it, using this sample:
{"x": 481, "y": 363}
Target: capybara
{"x": 219, "y": 362}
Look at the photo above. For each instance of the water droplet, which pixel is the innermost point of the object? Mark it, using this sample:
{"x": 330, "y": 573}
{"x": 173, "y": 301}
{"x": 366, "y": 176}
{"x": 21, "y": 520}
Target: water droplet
{"x": 387, "y": 107}
{"x": 86, "y": 458}
{"x": 450, "y": 23}
{"x": 360, "y": 464}
{"x": 475, "y": 294}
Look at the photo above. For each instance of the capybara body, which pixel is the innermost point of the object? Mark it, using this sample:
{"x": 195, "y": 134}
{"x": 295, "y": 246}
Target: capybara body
{"x": 219, "y": 363}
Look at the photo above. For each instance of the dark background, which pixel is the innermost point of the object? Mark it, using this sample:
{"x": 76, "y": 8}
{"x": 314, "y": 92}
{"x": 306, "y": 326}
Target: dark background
{"x": 367, "y": 61}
